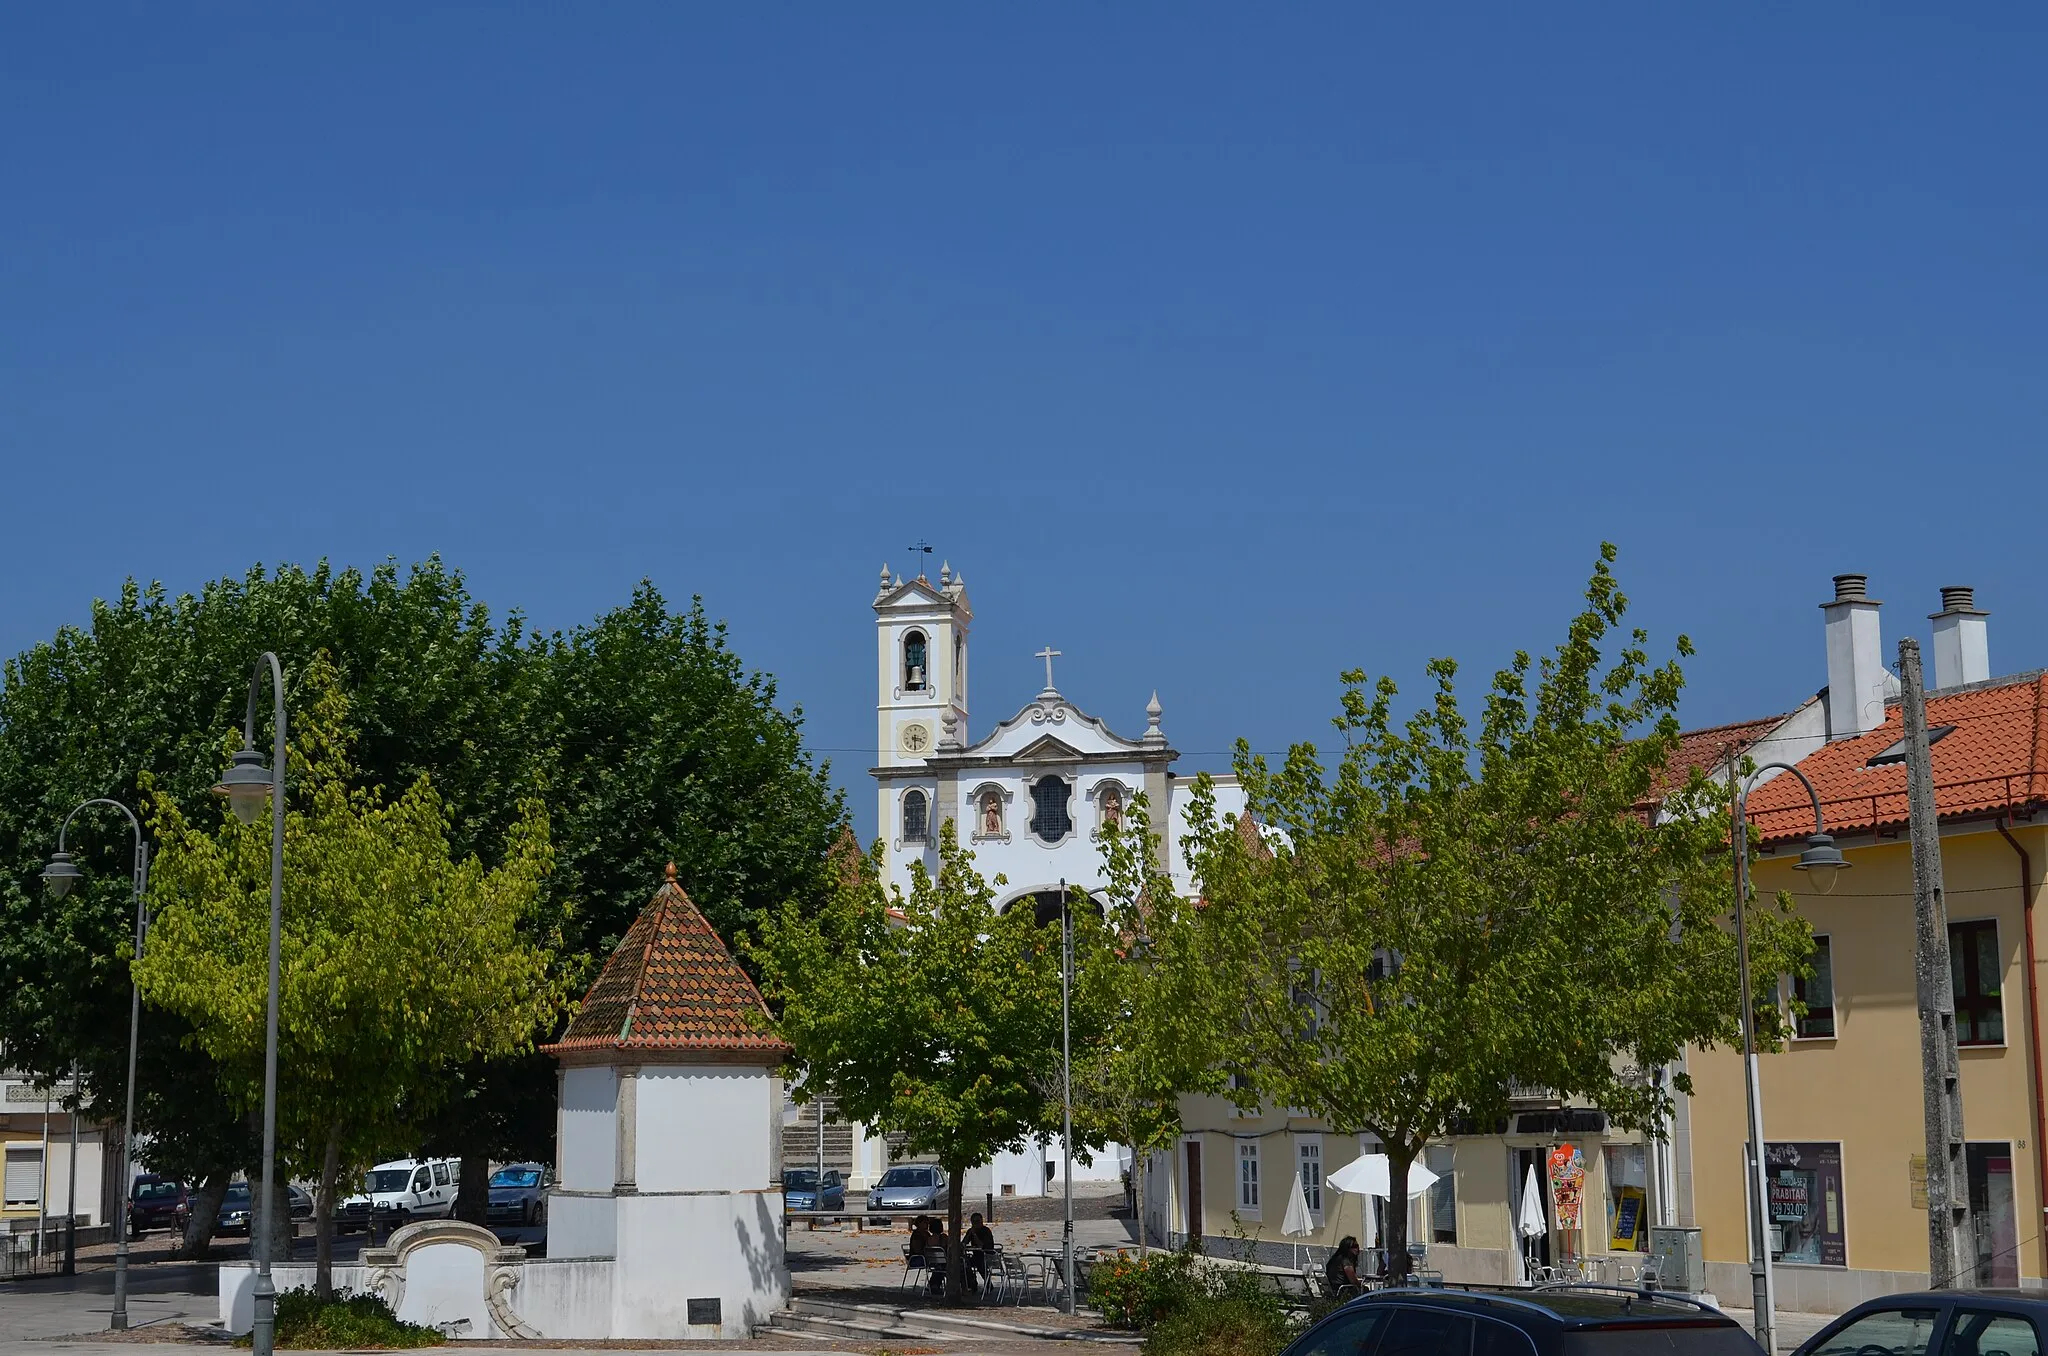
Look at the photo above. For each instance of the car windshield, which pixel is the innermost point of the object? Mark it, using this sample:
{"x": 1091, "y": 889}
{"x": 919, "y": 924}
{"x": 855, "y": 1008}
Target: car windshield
{"x": 157, "y": 1191}
{"x": 1678, "y": 1338}
{"x": 908, "y": 1177}
{"x": 800, "y": 1179}
{"x": 238, "y": 1194}
{"x": 391, "y": 1179}
{"x": 516, "y": 1177}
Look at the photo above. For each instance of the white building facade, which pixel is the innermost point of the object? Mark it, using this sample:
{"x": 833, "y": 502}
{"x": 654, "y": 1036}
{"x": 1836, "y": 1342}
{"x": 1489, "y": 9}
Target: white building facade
{"x": 1028, "y": 797}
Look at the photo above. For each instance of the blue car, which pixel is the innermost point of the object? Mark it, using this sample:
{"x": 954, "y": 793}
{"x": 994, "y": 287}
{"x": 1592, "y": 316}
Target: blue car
{"x": 800, "y": 1190}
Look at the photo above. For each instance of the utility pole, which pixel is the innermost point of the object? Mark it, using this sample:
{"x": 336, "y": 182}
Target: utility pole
{"x": 1951, "y": 1247}
{"x": 1066, "y": 1075}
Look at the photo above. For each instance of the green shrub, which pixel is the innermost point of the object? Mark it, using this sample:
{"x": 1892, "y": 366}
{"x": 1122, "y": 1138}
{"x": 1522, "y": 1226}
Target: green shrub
{"x": 1136, "y": 1293}
{"x": 345, "y": 1322}
{"x": 1236, "y": 1323}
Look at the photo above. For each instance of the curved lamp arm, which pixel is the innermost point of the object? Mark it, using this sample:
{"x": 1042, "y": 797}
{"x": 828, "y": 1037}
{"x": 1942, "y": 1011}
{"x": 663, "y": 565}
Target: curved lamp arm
{"x": 1819, "y": 825}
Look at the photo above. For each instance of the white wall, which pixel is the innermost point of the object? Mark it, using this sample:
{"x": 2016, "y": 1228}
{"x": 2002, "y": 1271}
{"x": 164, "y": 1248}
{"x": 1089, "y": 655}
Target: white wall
{"x": 675, "y": 1248}
{"x": 582, "y": 1226}
{"x": 705, "y": 1129}
{"x": 589, "y": 1138}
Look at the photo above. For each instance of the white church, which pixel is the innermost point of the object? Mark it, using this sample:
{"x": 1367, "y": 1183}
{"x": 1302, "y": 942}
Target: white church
{"x": 1027, "y": 797}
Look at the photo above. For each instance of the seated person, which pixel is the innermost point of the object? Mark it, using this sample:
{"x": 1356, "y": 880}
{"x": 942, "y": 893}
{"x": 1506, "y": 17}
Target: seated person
{"x": 921, "y": 1238}
{"x": 1340, "y": 1273}
{"x": 935, "y": 1256}
{"x": 980, "y": 1242}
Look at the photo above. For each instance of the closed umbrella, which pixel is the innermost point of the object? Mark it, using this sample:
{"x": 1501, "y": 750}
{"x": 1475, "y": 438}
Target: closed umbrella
{"x": 1298, "y": 1221}
{"x": 1530, "y": 1223}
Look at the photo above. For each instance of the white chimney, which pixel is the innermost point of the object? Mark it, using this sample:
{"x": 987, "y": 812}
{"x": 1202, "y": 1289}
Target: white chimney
{"x": 1856, "y": 671}
{"x": 1962, "y": 650}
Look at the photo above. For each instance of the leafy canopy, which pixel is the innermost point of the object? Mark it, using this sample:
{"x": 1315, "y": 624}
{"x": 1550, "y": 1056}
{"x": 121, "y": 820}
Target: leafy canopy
{"x": 1452, "y": 908}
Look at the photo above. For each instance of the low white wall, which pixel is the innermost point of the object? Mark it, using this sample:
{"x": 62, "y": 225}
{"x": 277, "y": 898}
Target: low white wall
{"x": 673, "y": 1249}
{"x": 238, "y": 1283}
{"x": 569, "y": 1298}
{"x": 582, "y": 1225}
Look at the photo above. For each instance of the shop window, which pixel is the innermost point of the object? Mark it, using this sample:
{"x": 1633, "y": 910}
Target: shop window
{"x": 1628, "y": 1198}
{"x": 1817, "y": 993}
{"x": 1994, "y": 1217}
{"x": 24, "y": 1177}
{"x": 1974, "y": 966}
{"x": 1443, "y": 1197}
{"x": 1803, "y": 1186}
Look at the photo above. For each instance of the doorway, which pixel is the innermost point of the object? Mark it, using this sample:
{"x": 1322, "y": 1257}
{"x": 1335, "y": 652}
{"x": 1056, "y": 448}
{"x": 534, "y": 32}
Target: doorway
{"x": 1195, "y": 1193}
{"x": 1530, "y": 1252}
{"x": 1993, "y": 1215}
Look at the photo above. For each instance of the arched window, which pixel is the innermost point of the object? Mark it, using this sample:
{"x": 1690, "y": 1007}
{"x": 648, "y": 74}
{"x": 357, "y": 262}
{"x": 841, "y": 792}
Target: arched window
{"x": 913, "y": 662}
{"x": 959, "y": 668}
{"x": 1049, "y": 818}
{"x": 916, "y": 816}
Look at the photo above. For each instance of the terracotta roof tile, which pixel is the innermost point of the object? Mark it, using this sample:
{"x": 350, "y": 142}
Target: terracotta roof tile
{"x": 672, "y": 986}
{"x": 1996, "y": 758}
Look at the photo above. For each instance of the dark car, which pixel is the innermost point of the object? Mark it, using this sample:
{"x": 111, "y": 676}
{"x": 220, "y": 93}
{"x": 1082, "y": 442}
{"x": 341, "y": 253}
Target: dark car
{"x": 236, "y": 1206}
{"x": 800, "y": 1190}
{"x": 1938, "y": 1323}
{"x": 157, "y": 1203}
{"x": 1566, "y": 1321}
{"x": 519, "y": 1194}
{"x": 301, "y": 1201}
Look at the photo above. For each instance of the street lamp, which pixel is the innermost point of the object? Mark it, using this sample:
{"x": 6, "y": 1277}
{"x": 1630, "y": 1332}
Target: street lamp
{"x": 59, "y": 877}
{"x": 246, "y": 785}
{"x": 1824, "y": 863}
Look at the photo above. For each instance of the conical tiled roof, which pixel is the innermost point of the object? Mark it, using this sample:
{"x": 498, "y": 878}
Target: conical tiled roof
{"x": 673, "y": 989}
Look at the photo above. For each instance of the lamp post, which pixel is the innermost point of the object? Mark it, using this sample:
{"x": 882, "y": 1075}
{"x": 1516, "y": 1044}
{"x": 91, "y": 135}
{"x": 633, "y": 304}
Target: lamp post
{"x": 58, "y": 878}
{"x": 247, "y": 784}
{"x": 1825, "y": 861}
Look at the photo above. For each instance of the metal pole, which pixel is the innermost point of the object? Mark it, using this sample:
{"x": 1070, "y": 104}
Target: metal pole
{"x": 43, "y": 1192}
{"x": 1760, "y": 1277}
{"x": 120, "y": 1318}
{"x": 818, "y": 1196}
{"x": 1067, "y": 1084}
{"x": 1951, "y": 1247}
{"x": 71, "y": 1199}
{"x": 264, "y": 1291}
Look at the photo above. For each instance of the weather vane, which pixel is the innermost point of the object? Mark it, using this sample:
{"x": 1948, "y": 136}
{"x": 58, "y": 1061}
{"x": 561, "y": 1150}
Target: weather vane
{"x": 918, "y": 548}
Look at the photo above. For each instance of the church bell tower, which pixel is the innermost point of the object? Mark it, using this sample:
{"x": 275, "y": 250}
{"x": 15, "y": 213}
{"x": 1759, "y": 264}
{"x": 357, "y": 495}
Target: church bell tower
{"x": 921, "y": 681}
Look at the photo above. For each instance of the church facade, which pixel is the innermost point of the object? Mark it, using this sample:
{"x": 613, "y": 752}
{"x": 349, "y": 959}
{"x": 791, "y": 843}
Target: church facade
{"x": 1028, "y": 797}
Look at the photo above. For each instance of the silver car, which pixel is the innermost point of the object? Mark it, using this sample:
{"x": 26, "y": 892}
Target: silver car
{"x": 916, "y": 1186}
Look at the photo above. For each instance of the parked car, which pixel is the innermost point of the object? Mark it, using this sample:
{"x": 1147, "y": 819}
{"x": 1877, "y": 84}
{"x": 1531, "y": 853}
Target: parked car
{"x": 519, "y": 1194}
{"x": 236, "y": 1207}
{"x": 800, "y": 1190}
{"x": 157, "y": 1203}
{"x": 301, "y": 1200}
{"x": 1562, "y": 1321}
{"x": 1949, "y": 1322}
{"x": 403, "y": 1190}
{"x": 910, "y": 1186}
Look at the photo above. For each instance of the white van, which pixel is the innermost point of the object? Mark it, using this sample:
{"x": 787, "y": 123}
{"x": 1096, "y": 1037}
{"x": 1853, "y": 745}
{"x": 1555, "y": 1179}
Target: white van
{"x": 402, "y": 1190}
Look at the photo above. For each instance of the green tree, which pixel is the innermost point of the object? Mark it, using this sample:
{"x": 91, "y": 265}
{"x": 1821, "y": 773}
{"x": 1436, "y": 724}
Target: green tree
{"x": 1140, "y": 983}
{"x": 641, "y": 732}
{"x": 1455, "y": 908}
{"x": 942, "y": 1026}
{"x": 398, "y": 960}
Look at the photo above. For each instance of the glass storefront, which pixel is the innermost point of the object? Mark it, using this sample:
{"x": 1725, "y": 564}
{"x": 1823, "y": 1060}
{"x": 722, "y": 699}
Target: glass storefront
{"x": 1628, "y": 1198}
{"x": 1803, "y": 1186}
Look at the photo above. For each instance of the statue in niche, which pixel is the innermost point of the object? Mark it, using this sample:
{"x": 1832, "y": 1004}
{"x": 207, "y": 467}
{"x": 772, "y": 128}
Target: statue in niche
{"x": 991, "y": 813}
{"x": 1112, "y": 806}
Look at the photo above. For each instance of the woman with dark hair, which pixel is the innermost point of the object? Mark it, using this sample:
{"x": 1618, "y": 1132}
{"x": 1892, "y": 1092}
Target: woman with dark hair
{"x": 1340, "y": 1273}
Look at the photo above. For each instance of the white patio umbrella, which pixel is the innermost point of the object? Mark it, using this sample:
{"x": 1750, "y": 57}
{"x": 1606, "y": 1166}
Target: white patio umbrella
{"x": 1530, "y": 1222}
{"x": 1298, "y": 1221}
{"x": 1371, "y": 1175}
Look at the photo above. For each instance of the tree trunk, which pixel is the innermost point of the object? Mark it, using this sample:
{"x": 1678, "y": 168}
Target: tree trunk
{"x": 956, "y": 1290}
{"x": 1138, "y": 1161}
{"x": 473, "y": 1195}
{"x": 205, "y": 1207}
{"x": 282, "y": 1230}
{"x": 323, "y": 1216}
{"x": 1397, "y": 1213}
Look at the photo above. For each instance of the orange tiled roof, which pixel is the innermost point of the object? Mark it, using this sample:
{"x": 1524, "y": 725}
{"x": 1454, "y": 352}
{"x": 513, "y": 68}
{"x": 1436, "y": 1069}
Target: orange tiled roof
{"x": 1996, "y": 758}
{"x": 1708, "y": 749}
{"x": 672, "y": 987}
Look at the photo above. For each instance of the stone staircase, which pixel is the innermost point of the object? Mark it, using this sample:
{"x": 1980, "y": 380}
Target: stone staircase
{"x": 851, "y": 1320}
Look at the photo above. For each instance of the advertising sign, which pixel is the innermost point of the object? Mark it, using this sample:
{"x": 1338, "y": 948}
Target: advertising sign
{"x": 1567, "y": 1185}
{"x": 1803, "y": 1195}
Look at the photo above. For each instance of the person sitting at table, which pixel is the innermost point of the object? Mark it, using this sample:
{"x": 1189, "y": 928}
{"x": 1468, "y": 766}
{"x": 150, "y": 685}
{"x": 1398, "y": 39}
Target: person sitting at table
{"x": 980, "y": 1241}
{"x": 935, "y": 1257}
{"x": 921, "y": 1238}
{"x": 1340, "y": 1273}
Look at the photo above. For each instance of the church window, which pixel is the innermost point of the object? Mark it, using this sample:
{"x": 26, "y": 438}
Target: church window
{"x": 959, "y": 668}
{"x": 1050, "y": 820}
{"x": 913, "y": 662}
{"x": 916, "y": 817}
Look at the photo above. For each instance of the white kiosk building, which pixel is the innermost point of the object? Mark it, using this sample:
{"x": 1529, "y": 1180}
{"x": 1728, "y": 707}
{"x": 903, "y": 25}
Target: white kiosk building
{"x": 669, "y": 1113}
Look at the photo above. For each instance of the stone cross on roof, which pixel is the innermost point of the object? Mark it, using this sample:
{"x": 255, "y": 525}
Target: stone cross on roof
{"x": 1048, "y": 654}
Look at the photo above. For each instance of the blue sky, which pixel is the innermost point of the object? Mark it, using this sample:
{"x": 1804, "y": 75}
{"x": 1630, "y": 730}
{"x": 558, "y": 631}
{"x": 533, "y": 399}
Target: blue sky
{"x": 1223, "y": 347}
